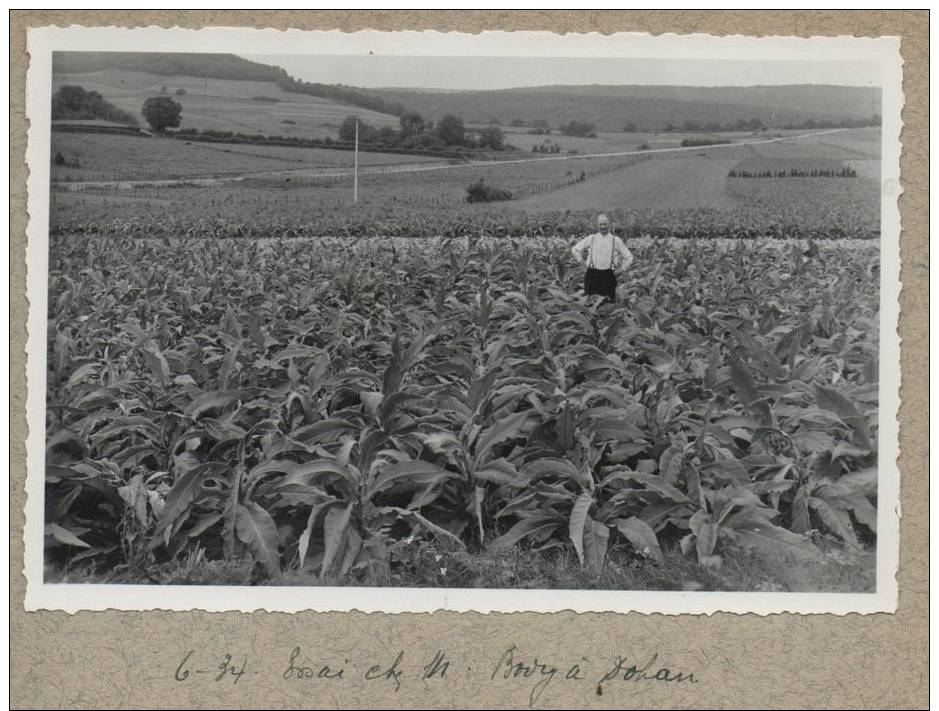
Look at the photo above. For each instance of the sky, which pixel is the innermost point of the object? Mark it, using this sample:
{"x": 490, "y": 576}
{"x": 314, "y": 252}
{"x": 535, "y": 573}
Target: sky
{"x": 467, "y": 73}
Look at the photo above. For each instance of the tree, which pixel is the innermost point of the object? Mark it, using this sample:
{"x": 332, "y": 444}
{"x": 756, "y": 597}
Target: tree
{"x": 72, "y": 98}
{"x": 347, "y": 130}
{"x": 161, "y": 112}
{"x": 388, "y": 136}
{"x": 74, "y": 103}
{"x": 451, "y": 130}
{"x": 517, "y": 123}
{"x": 491, "y": 137}
{"x": 578, "y": 128}
{"x": 367, "y": 133}
{"x": 412, "y": 124}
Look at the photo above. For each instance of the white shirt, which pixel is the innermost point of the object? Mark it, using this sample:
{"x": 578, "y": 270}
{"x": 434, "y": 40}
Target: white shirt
{"x": 603, "y": 251}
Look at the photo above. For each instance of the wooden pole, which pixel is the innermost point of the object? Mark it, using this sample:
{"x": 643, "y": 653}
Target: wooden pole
{"x": 355, "y": 169}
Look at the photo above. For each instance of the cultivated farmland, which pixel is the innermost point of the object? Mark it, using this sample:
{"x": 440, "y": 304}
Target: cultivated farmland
{"x": 121, "y": 158}
{"x": 438, "y": 412}
{"x": 681, "y": 194}
{"x": 254, "y": 380}
{"x": 691, "y": 183}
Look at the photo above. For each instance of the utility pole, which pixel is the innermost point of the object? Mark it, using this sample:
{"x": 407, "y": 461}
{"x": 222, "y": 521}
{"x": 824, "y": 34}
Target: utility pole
{"x": 355, "y": 168}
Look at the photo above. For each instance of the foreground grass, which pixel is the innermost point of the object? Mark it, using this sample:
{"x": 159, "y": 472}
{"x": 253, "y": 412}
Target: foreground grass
{"x": 427, "y": 565}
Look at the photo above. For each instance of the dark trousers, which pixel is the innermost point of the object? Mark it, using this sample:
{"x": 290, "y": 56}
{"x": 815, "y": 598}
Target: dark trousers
{"x": 600, "y": 281}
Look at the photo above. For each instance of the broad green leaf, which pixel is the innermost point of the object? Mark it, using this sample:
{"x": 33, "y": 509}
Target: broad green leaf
{"x": 479, "y": 389}
{"x": 185, "y": 489}
{"x": 303, "y": 542}
{"x": 412, "y": 474}
{"x": 499, "y": 472}
{"x": 214, "y": 401}
{"x": 727, "y": 470}
{"x": 64, "y": 536}
{"x": 864, "y": 511}
{"x": 833, "y": 401}
{"x": 531, "y": 526}
{"x": 257, "y": 530}
{"x": 748, "y": 394}
{"x": 706, "y": 539}
{"x": 862, "y": 482}
{"x": 552, "y": 467}
{"x": 499, "y": 432}
{"x": 334, "y": 534}
{"x": 123, "y": 426}
{"x": 835, "y": 518}
{"x": 617, "y": 430}
{"x": 307, "y": 473}
{"x": 578, "y": 521}
{"x": 656, "y": 484}
{"x": 420, "y": 521}
{"x": 800, "y": 511}
{"x": 325, "y": 431}
{"x": 371, "y": 401}
{"x": 254, "y": 330}
{"x": 81, "y": 374}
{"x": 871, "y": 370}
{"x": 157, "y": 364}
{"x": 661, "y": 360}
{"x": 733, "y": 422}
{"x": 640, "y": 535}
{"x": 596, "y": 540}
{"x": 351, "y": 550}
{"x": 134, "y": 494}
{"x": 670, "y": 463}
{"x": 228, "y": 366}
{"x": 774, "y": 542}
{"x": 222, "y": 430}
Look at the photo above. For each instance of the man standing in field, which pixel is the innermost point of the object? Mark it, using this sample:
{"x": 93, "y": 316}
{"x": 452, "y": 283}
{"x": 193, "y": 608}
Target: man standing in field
{"x": 603, "y": 252}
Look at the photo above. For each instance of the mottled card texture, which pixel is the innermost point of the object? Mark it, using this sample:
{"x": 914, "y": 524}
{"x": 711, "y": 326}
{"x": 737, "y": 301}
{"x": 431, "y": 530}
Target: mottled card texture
{"x": 75, "y": 644}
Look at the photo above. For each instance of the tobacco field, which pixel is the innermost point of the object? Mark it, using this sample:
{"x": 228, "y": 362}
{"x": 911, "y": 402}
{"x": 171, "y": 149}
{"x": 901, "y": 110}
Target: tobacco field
{"x": 331, "y": 409}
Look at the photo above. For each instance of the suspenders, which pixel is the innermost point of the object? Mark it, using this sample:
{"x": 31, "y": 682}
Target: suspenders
{"x": 590, "y": 256}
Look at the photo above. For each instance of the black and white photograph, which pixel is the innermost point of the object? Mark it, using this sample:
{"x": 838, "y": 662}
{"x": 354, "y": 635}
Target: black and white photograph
{"x": 409, "y": 321}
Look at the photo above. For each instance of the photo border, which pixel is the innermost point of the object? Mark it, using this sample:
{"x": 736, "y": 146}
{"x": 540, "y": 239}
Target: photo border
{"x": 827, "y": 661}
{"x": 73, "y": 597}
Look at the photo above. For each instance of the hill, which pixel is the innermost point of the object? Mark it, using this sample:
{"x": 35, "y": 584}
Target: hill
{"x": 238, "y": 105}
{"x": 214, "y": 66}
{"x": 610, "y": 108}
{"x": 190, "y": 64}
{"x": 229, "y": 93}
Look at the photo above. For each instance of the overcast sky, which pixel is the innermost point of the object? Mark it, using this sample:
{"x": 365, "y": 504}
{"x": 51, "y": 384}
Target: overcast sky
{"x": 454, "y": 72}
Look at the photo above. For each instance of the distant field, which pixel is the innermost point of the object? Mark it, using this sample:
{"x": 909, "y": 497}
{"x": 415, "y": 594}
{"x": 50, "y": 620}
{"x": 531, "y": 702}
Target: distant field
{"x": 107, "y": 157}
{"x": 654, "y": 184}
{"x": 662, "y": 193}
{"x": 862, "y": 142}
{"x": 850, "y": 203}
{"x": 225, "y": 105}
{"x": 802, "y": 150}
{"x": 615, "y": 142}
